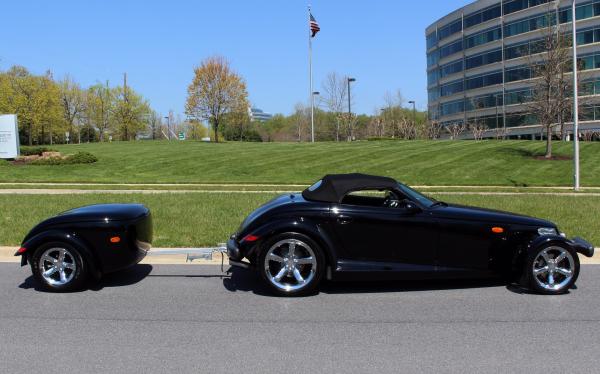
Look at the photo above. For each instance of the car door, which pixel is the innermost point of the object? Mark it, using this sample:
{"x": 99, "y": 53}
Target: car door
{"x": 385, "y": 234}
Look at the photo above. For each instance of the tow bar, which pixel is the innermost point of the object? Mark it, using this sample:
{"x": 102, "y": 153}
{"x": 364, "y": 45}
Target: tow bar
{"x": 193, "y": 253}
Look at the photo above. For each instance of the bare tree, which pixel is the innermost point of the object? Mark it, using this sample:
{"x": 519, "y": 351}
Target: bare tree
{"x": 552, "y": 84}
{"x": 477, "y": 128}
{"x": 73, "y": 102}
{"x": 432, "y": 130}
{"x": 500, "y": 132}
{"x": 456, "y": 129}
{"x": 334, "y": 98}
{"x": 301, "y": 120}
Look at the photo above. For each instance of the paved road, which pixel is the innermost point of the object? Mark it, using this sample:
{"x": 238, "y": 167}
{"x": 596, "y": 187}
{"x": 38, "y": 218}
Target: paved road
{"x": 165, "y": 318}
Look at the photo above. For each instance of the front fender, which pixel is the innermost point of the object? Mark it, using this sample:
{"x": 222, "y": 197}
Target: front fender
{"x": 302, "y": 226}
{"x": 576, "y": 244}
{"x": 65, "y": 236}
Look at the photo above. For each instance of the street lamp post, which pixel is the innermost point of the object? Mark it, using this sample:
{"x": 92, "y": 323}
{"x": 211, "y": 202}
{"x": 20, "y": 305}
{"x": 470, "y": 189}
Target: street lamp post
{"x": 414, "y": 104}
{"x": 350, "y": 80}
{"x": 168, "y": 127}
{"x": 312, "y": 122}
{"x": 575, "y": 100}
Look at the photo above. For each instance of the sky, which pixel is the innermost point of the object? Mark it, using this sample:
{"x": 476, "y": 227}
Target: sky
{"x": 158, "y": 43}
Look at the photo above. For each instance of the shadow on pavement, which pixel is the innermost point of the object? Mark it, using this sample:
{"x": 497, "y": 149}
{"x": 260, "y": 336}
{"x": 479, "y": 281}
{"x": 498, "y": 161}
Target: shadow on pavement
{"x": 243, "y": 280}
{"x": 121, "y": 278}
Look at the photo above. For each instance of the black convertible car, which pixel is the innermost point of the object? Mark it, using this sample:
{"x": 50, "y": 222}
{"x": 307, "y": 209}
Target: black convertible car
{"x": 354, "y": 226}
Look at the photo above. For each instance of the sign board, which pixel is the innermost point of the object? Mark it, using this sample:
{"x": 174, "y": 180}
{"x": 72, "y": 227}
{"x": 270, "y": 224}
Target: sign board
{"x": 182, "y": 136}
{"x": 207, "y": 140}
{"x": 9, "y": 136}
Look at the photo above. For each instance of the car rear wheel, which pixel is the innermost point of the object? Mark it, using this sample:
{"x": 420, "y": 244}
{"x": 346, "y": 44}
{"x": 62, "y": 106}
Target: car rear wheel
{"x": 552, "y": 269}
{"x": 58, "y": 267}
{"x": 291, "y": 264}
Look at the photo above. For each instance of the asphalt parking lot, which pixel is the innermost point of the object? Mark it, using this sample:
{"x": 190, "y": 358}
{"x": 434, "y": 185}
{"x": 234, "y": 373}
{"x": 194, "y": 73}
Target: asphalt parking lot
{"x": 172, "y": 318}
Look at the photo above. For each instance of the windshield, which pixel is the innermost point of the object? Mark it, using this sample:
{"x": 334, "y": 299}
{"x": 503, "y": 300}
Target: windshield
{"x": 416, "y": 196}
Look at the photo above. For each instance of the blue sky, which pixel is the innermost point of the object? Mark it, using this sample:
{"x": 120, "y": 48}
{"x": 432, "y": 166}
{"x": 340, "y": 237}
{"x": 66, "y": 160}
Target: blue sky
{"x": 158, "y": 43}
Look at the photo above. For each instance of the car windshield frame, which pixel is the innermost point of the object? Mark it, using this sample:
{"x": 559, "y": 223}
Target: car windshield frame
{"x": 416, "y": 196}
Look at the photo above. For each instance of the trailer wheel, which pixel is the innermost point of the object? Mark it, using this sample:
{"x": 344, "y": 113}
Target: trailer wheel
{"x": 58, "y": 267}
{"x": 291, "y": 264}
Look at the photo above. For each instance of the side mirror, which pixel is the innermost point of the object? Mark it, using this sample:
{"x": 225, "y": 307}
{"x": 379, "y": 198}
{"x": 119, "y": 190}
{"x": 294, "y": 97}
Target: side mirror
{"x": 409, "y": 206}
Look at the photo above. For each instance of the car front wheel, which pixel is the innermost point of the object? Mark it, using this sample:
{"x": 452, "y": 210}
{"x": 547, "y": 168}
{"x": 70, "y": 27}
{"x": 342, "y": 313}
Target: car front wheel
{"x": 291, "y": 264}
{"x": 58, "y": 267}
{"x": 552, "y": 269}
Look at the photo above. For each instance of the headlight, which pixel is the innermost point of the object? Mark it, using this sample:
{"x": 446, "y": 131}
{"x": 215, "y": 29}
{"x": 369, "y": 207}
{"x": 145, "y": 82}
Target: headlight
{"x": 547, "y": 231}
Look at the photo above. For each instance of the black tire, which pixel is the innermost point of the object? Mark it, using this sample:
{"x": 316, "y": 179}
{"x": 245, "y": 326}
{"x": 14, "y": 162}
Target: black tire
{"x": 541, "y": 283}
{"x": 304, "y": 245}
{"x": 74, "y": 278}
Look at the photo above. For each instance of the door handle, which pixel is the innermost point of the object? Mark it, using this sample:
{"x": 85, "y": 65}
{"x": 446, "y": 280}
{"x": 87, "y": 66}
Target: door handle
{"x": 344, "y": 220}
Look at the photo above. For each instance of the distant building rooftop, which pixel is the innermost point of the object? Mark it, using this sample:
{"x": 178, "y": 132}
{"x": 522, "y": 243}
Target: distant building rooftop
{"x": 259, "y": 115}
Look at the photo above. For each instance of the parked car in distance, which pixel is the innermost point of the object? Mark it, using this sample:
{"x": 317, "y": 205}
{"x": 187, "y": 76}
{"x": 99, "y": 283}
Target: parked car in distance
{"x": 67, "y": 249}
{"x": 361, "y": 227}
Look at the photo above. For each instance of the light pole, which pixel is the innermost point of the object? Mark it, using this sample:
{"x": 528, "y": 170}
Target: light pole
{"x": 312, "y": 113}
{"x": 168, "y": 127}
{"x": 350, "y": 80}
{"x": 414, "y": 104}
{"x": 575, "y": 100}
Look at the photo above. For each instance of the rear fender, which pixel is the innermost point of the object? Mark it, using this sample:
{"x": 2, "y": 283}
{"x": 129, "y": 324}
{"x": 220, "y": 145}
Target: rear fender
{"x": 34, "y": 242}
{"x": 304, "y": 226}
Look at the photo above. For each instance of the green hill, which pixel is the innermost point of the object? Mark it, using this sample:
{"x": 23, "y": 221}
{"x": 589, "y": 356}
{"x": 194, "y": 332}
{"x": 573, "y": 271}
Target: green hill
{"x": 506, "y": 163}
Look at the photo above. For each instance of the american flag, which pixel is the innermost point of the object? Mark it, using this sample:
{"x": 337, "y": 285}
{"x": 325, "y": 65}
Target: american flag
{"x": 314, "y": 26}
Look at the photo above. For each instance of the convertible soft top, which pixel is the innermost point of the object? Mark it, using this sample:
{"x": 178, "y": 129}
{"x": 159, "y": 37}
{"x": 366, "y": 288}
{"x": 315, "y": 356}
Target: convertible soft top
{"x": 333, "y": 187}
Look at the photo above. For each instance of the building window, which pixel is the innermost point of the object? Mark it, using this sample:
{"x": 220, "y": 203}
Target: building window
{"x": 483, "y": 16}
{"x": 529, "y": 24}
{"x": 450, "y": 29}
{"x": 452, "y": 107}
{"x": 451, "y": 49}
{"x": 433, "y": 58}
{"x": 484, "y": 59}
{"x": 451, "y": 88}
{"x": 451, "y": 68}
{"x": 483, "y": 37}
{"x": 431, "y": 40}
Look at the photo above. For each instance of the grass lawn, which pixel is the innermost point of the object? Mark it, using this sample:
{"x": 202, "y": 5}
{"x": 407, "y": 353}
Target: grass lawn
{"x": 200, "y": 219}
{"x": 505, "y": 163}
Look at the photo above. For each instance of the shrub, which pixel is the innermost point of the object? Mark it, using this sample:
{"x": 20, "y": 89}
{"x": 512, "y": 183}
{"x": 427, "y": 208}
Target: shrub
{"x": 77, "y": 158}
{"x": 32, "y": 151}
{"x": 82, "y": 158}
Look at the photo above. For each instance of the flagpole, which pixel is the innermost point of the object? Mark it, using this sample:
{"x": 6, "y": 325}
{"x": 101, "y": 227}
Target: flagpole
{"x": 310, "y": 73}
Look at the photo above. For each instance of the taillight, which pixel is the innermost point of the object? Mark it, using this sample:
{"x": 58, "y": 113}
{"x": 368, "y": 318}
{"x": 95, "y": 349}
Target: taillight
{"x": 22, "y": 250}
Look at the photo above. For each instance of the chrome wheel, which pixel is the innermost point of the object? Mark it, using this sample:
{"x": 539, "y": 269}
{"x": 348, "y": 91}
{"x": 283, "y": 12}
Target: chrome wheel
{"x": 290, "y": 264}
{"x": 57, "y": 266}
{"x": 553, "y": 268}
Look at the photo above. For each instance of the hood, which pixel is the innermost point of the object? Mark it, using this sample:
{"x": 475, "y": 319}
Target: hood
{"x": 488, "y": 215}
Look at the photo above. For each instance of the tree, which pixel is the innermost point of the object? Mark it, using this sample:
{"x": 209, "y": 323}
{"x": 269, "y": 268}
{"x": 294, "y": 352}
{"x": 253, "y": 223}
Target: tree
{"x": 99, "y": 107}
{"x": 335, "y": 97}
{"x": 73, "y": 102}
{"x": 35, "y": 100}
{"x": 215, "y": 90}
{"x": 552, "y": 88}
{"x": 130, "y": 113}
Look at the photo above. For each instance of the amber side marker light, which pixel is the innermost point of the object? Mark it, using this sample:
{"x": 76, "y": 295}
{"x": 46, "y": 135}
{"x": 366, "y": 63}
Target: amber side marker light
{"x": 115, "y": 239}
{"x": 497, "y": 230}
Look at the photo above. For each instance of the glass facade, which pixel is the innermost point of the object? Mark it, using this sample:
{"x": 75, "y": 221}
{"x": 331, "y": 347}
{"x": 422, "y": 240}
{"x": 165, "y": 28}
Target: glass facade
{"x": 455, "y": 90}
